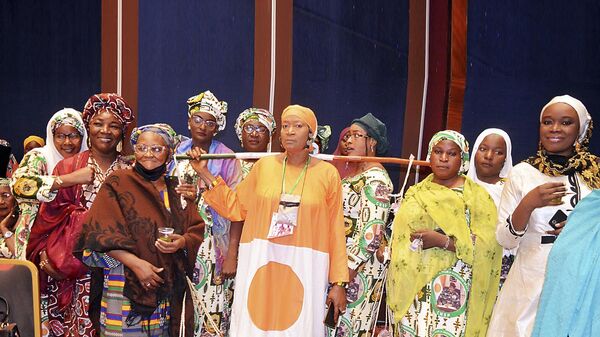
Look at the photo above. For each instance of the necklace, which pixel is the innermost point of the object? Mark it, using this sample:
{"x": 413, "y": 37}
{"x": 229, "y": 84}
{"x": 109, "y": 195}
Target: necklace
{"x": 99, "y": 175}
{"x": 297, "y": 179}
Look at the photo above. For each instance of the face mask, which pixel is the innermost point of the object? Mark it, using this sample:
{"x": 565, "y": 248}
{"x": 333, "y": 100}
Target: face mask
{"x": 150, "y": 175}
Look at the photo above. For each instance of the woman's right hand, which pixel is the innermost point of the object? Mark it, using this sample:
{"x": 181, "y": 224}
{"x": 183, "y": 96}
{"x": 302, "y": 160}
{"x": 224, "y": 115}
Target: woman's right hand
{"x": 548, "y": 194}
{"x": 230, "y": 265}
{"x": 147, "y": 274}
{"x": 199, "y": 165}
{"x": 48, "y": 268}
{"x": 82, "y": 176}
{"x": 8, "y": 223}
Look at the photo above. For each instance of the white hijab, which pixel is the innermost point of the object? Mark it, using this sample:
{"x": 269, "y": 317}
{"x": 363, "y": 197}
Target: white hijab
{"x": 495, "y": 190}
{"x": 582, "y": 113}
{"x": 66, "y": 116}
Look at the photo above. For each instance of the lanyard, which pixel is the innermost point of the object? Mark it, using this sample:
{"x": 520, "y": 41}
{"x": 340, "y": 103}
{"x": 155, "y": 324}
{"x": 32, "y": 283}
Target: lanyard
{"x": 297, "y": 180}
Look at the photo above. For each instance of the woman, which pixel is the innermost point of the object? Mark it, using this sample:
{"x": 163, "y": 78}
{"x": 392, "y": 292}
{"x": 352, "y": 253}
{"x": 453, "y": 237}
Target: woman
{"x": 536, "y": 200}
{"x": 254, "y": 128}
{"x": 32, "y": 142}
{"x": 293, "y": 237}
{"x": 345, "y": 168}
{"x": 366, "y": 204}
{"x": 32, "y": 182}
{"x": 206, "y": 117}
{"x": 571, "y": 283}
{"x": 492, "y": 161}
{"x": 65, "y": 281}
{"x": 144, "y": 277}
{"x": 9, "y": 212}
{"x": 445, "y": 262}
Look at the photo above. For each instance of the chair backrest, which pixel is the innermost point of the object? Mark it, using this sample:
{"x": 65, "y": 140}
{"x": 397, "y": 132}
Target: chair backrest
{"x": 19, "y": 286}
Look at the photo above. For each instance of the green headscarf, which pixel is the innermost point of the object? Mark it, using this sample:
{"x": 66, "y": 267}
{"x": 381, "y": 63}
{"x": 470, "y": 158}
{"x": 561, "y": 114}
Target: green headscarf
{"x": 459, "y": 140}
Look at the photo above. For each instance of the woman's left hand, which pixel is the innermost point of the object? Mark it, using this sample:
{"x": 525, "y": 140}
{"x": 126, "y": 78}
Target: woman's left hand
{"x": 165, "y": 247}
{"x": 430, "y": 238}
{"x": 559, "y": 227}
{"x": 337, "y": 298}
{"x": 187, "y": 191}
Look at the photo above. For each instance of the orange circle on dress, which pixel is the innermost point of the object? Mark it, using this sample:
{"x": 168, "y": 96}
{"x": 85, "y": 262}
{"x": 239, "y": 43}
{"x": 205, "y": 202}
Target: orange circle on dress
{"x": 275, "y": 297}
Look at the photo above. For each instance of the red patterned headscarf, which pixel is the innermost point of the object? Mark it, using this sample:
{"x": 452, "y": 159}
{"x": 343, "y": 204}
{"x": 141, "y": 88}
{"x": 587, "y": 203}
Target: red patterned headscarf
{"x": 110, "y": 102}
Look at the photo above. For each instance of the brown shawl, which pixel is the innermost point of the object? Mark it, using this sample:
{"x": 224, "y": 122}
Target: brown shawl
{"x": 125, "y": 216}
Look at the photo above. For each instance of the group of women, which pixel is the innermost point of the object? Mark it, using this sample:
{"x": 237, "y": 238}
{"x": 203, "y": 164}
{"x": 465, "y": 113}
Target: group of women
{"x": 263, "y": 247}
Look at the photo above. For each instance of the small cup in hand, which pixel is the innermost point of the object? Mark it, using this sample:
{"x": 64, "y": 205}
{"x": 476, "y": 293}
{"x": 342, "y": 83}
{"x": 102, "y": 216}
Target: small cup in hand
{"x": 164, "y": 233}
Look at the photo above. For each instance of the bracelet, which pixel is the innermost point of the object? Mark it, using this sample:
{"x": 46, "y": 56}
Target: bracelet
{"x": 214, "y": 183}
{"x": 43, "y": 264}
{"x": 59, "y": 181}
{"x": 447, "y": 243}
{"x": 341, "y": 284}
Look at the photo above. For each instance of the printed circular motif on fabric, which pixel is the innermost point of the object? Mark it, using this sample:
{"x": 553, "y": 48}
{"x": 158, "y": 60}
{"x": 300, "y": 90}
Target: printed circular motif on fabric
{"x": 369, "y": 240}
{"x": 344, "y": 328}
{"x": 449, "y": 293}
{"x": 378, "y": 193}
{"x": 27, "y": 188}
{"x": 355, "y": 290}
{"x": 264, "y": 293}
{"x": 201, "y": 272}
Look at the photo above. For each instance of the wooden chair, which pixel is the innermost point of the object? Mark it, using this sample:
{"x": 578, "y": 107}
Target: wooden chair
{"x": 20, "y": 287}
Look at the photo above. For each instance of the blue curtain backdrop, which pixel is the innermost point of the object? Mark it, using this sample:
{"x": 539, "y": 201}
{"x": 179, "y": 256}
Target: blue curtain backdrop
{"x": 350, "y": 58}
{"x": 49, "y": 59}
{"x": 523, "y": 53}
{"x": 189, "y": 46}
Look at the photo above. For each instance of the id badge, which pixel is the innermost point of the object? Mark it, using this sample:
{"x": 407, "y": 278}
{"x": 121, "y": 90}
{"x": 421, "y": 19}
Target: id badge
{"x": 285, "y": 219}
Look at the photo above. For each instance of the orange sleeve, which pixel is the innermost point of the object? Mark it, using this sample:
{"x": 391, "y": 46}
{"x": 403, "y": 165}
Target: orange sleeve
{"x": 338, "y": 260}
{"x": 225, "y": 201}
{"x": 231, "y": 204}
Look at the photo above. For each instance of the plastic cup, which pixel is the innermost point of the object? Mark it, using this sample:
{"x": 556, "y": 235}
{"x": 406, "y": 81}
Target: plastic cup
{"x": 164, "y": 233}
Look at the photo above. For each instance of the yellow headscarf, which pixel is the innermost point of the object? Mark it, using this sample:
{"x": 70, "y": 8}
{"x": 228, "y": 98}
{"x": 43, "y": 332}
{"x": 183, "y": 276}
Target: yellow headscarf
{"x": 428, "y": 205}
{"x": 33, "y": 138}
{"x": 305, "y": 114}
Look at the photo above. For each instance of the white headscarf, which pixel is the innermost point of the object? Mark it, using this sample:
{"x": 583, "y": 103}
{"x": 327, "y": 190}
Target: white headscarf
{"x": 495, "y": 190}
{"x": 582, "y": 113}
{"x": 66, "y": 116}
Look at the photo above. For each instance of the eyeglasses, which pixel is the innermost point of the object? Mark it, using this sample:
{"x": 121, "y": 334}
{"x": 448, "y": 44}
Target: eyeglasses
{"x": 249, "y": 128}
{"x": 201, "y": 121}
{"x": 355, "y": 135}
{"x": 155, "y": 150}
{"x": 63, "y": 136}
{"x": 5, "y": 196}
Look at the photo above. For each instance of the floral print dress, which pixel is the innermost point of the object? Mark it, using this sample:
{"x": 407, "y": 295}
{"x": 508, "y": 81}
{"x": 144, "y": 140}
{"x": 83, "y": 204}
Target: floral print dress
{"x": 366, "y": 203}
{"x": 215, "y": 291}
{"x": 31, "y": 185}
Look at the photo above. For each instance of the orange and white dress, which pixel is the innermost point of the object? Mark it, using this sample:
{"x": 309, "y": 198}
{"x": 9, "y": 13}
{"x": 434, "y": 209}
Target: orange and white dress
{"x": 281, "y": 283}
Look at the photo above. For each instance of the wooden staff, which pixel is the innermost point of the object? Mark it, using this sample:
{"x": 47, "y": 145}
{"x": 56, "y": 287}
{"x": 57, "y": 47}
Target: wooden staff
{"x": 326, "y": 157}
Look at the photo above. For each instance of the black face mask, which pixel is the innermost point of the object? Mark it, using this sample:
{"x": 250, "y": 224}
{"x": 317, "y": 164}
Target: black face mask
{"x": 150, "y": 175}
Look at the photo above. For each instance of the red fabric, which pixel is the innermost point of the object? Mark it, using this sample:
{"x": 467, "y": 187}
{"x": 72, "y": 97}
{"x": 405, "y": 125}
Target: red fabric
{"x": 56, "y": 229}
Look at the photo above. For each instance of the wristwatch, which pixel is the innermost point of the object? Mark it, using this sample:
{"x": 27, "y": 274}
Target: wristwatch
{"x": 8, "y": 234}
